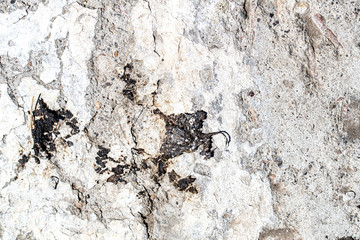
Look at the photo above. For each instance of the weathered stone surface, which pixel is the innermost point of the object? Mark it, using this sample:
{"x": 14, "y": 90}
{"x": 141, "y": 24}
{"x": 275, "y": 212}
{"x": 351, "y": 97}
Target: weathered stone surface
{"x": 179, "y": 119}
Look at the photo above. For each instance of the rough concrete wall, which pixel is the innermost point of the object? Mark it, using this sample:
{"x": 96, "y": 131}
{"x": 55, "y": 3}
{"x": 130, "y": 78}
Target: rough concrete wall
{"x": 179, "y": 119}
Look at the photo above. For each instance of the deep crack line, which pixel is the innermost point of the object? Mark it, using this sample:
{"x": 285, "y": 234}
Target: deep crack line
{"x": 145, "y": 224}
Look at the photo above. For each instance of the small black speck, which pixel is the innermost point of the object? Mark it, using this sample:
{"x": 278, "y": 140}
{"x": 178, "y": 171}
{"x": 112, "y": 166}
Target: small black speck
{"x": 271, "y": 15}
{"x": 251, "y": 93}
{"x": 12, "y": 1}
{"x": 276, "y": 23}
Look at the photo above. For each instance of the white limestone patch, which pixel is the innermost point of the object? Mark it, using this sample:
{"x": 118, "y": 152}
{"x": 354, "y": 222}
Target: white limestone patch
{"x": 80, "y": 23}
{"x": 52, "y": 22}
{"x": 28, "y": 206}
{"x": 10, "y": 115}
{"x": 231, "y": 203}
{"x": 9, "y": 154}
{"x": 76, "y": 161}
{"x": 27, "y": 31}
{"x": 51, "y": 64}
{"x": 180, "y": 60}
{"x": 30, "y": 91}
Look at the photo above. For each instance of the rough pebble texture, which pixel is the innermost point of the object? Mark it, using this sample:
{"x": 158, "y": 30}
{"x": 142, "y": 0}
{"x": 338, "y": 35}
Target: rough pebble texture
{"x": 180, "y": 119}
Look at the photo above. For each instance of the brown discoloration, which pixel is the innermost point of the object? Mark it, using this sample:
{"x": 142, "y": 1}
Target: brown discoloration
{"x": 351, "y": 118}
{"x": 311, "y": 62}
{"x": 279, "y": 234}
{"x": 320, "y": 23}
{"x": 316, "y": 26}
{"x": 250, "y": 7}
{"x": 98, "y": 105}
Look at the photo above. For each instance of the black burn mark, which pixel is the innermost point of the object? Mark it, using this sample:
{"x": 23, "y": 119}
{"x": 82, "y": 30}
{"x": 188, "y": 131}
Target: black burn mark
{"x": 183, "y": 184}
{"x": 23, "y": 160}
{"x": 45, "y": 128}
{"x": 162, "y": 164}
{"x": 118, "y": 175}
{"x": 130, "y": 88}
{"x": 120, "y": 172}
{"x": 101, "y": 159}
{"x": 184, "y": 134}
{"x": 73, "y": 124}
